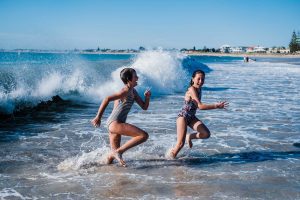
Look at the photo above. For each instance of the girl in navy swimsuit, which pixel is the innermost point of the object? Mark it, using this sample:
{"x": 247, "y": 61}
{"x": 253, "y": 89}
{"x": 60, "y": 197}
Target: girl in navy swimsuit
{"x": 186, "y": 117}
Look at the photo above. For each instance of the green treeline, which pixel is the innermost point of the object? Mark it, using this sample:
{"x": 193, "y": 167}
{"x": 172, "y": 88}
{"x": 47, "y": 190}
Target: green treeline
{"x": 295, "y": 43}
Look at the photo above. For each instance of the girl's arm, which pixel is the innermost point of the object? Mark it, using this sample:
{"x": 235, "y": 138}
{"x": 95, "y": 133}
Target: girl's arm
{"x": 143, "y": 104}
{"x": 119, "y": 95}
{"x": 203, "y": 106}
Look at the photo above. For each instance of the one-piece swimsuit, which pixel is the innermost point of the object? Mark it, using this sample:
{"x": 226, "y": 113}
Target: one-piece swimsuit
{"x": 121, "y": 111}
{"x": 189, "y": 108}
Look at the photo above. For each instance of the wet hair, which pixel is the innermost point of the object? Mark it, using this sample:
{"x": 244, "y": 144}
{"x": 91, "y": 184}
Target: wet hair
{"x": 126, "y": 74}
{"x": 198, "y": 71}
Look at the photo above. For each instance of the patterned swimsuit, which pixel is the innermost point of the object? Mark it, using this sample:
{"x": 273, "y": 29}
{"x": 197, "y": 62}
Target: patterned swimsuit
{"x": 189, "y": 109}
{"x": 121, "y": 111}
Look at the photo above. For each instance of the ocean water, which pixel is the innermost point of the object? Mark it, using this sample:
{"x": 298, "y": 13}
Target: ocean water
{"x": 54, "y": 153}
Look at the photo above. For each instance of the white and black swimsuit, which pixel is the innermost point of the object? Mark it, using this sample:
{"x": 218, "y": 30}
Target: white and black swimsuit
{"x": 121, "y": 111}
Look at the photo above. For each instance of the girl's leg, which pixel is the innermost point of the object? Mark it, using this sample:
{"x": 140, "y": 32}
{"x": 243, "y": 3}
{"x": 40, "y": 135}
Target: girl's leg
{"x": 115, "y": 141}
{"x": 202, "y": 131}
{"x": 138, "y": 136}
{"x": 181, "y": 133}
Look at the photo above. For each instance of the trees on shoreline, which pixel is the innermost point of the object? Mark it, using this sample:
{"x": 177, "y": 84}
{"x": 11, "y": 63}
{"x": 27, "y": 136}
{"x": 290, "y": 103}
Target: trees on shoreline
{"x": 295, "y": 43}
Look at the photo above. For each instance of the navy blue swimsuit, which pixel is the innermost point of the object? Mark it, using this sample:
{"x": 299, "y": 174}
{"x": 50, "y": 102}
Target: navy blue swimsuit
{"x": 189, "y": 109}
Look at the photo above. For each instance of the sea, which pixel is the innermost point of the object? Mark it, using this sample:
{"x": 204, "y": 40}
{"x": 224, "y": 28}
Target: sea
{"x": 49, "y": 149}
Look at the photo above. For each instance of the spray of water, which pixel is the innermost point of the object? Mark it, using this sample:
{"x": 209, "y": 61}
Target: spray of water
{"x": 161, "y": 70}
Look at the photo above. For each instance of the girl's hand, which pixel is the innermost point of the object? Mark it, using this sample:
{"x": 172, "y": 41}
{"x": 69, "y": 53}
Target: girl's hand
{"x": 222, "y": 105}
{"x": 147, "y": 93}
{"x": 96, "y": 121}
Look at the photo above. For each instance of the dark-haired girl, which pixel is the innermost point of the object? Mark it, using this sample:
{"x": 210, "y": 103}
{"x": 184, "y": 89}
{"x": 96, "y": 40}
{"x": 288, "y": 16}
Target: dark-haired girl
{"x": 116, "y": 123}
{"x": 186, "y": 117}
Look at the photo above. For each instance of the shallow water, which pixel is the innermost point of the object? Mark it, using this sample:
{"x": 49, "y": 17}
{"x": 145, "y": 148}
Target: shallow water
{"x": 253, "y": 152}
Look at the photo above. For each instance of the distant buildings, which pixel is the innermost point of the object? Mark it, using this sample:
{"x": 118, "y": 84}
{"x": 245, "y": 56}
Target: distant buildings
{"x": 239, "y": 49}
{"x": 225, "y": 48}
{"x": 253, "y": 49}
{"x": 256, "y": 49}
{"x": 280, "y": 50}
{"x": 259, "y": 49}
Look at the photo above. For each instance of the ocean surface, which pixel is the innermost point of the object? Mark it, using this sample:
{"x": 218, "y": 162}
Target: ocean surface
{"x": 49, "y": 150}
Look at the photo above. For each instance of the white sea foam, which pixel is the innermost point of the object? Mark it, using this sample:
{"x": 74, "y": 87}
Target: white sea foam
{"x": 49, "y": 85}
{"x": 161, "y": 70}
{"x": 11, "y": 194}
{"x": 85, "y": 160}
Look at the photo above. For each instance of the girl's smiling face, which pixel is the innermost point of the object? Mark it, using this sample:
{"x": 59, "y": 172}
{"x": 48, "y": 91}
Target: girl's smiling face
{"x": 198, "y": 80}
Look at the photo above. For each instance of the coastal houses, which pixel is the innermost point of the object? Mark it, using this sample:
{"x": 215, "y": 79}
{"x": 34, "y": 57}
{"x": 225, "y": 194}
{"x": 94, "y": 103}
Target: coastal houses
{"x": 281, "y": 50}
{"x": 259, "y": 49}
{"x": 253, "y": 50}
{"x": 241, "y": 49}
{"x": 225, "y": 48}
{"x": 238, "y": 49}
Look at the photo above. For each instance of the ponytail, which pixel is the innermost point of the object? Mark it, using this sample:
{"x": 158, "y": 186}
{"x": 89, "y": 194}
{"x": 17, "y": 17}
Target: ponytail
{"x": 191, "y": 82}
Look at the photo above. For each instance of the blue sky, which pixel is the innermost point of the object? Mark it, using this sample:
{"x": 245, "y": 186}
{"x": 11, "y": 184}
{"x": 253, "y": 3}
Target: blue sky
{"x": 122, "y": 24}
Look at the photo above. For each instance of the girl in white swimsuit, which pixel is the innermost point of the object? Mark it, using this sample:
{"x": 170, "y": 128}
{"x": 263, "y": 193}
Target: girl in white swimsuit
{"x": 116, "y": 123}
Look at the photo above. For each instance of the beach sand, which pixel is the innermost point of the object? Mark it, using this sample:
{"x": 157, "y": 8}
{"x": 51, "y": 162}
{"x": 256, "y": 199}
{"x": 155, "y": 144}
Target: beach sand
{"x": 249, "y": 55}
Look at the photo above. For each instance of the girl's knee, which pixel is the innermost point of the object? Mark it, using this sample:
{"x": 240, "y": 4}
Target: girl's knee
{"x": 144, "y": 136}
{"x": 203, "y": 135}
{"x": 206, "y": 135}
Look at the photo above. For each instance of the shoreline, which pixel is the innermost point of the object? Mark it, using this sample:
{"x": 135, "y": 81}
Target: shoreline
{"x": 207, "y": 54}
{"x": 187, "y": 53}
{"x": 245, "y": 54}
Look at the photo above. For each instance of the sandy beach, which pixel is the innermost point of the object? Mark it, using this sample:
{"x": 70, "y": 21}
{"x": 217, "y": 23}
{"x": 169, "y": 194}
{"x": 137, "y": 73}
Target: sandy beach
{"x": 117, "y": 52}
{"x": 245, "y": 54}
{"x": 211, "y": 54}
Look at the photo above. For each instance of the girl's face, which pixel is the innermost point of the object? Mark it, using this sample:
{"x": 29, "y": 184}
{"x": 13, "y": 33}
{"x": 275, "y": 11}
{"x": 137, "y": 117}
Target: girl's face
{"x": 134, "y": 80}
{"x": 198, "y": 80}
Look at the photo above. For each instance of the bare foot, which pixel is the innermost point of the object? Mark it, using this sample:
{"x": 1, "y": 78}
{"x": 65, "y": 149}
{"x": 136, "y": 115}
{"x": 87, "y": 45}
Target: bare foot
{"x": 119, "y": 158}
{"x": 189, "y": 140}
{"x": 170, "y": 154}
